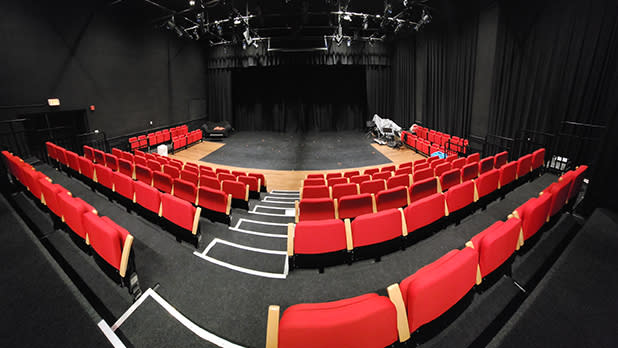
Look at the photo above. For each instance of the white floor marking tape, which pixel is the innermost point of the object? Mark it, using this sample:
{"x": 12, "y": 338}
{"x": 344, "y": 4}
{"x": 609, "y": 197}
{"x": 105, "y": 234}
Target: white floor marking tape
{"x": 243, "y": 269}
{"x": 200, "y": 332}
{"x": 111, "y": 336}
{"x": 263, "y": 234}
{"x": 287, "y": 211}
{"x": 284, "y": 191}
{"x": 285, "y": 194}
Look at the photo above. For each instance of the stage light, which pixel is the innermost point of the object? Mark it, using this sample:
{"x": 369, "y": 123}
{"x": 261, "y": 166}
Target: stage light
{"x": 365, "y": 22}
{"x": 347, "y": 17}
{"x": 405, "y": 3}
{"x": 191, "y": 2}
{"x": 349, "y": 42}
{"x": 219, "y": 29}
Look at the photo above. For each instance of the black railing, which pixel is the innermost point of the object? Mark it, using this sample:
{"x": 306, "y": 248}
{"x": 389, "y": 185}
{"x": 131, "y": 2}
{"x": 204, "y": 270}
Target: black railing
{"x": 494, "y": 144}
{"x": 577, "y": 143}
{"x": 13, "y": 137}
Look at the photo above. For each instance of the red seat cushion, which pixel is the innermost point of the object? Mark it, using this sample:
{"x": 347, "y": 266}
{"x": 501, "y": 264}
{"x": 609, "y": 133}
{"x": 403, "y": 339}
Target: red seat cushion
{"x": 355, "y": 205}
{"x": 424, "y": 211}
{"x": 364, "y": 321}
{"x": 496, "y": 244}
{"x": 376, "y": 228}
{"x": 316, "y": 209}
{"x": 435, "y": 288}
{"x": 319, "y": 237}
{"x": 147, "y": 196}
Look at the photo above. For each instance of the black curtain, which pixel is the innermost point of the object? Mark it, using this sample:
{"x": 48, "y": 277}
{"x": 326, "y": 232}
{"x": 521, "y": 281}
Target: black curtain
{"x": 299, "y": 98}
{"x": 219, "y": 94}
{"x": 379, "y": 97}
{"x": 555, "y": 61}
{"x": 446, "y": 61}
{"x": 403, "y": 79}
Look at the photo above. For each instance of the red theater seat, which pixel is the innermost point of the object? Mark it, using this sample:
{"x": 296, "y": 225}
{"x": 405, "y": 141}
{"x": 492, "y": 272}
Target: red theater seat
{"x": 316, "y": 209}
{"x": 73, "y": 212}
{"x": 153, "y": 165}
{"x": 371, "y": 171}
{"x": 253, "y": 183}
{"x": 226, "y": 176}
{"x": 49, "y": 196}
{"x": 99, "y": 157}
{"x": 501, "y": 159}
{"x": 116, "y": 152}
{"x": 110, "y": 241}
{"x": 435, "y": 288}
{"x": 389, "y": 168}
{"x": 314, "y": 182}
{"x": 215, "y": 200}
{"x": 450, "y": 178}
{"x": 357, "y": 179}
{"x": 262, "y": 179}
{"x": 73, "y": 160}
{"x": 190, "y": 165}
{"x": 381, "y": 175}
{"x": 104, "y": 175}
{"x": 422, "y": 174}
{"x": 398, "y": 180}
{"x": 147, "y": 196}
{"x": 333, "y": 175}
{"x": 315, "y": 176}
{"x": 508, "y": 173}
{"x": 458, "y": 163}
{"x": 364, "y": 321}
{"x": 524, "y": 165}
{"x": 441, "y": 168}
{"x": 421, "y": 166}
{"x": 376, "y": 228}
{"x": 222, "y": 170}
{"x": 351, "y": 174}
{"x": 538, "y": 158}
{"x": 487, "y": 183}
{"x": 144, "y": 174}
{"x": 578, "y": 180}
{"x": 403, "y": 171}
{"x": 336, "y": 181}
{"x": 319, "y": 237}
{"x": 460, "y": 196}
{"x": 486, "y": 164}
{"x": 396, "y": 197}
{"x": 355, "y": 205}
{"x": 423, "y": 188}
{"x": 405, "y": 165}
{"x": 495, "y": 245}
{"x": 125, "y": 167}
{"x": 208, "y": 181}
{"x": 190, "y": 176}
{"x": 424, "y": 211}
{"x": 559, "y": 193}
{"x": 469, "y": 171}
{"x": 171, "y": 171}
{"x": 180, "y": 213}
{"x": 163, "y": 182}
{"x": 533, "y": 214}
{"x": 373, "y": 186}
{"x": 185, "y": 190}
{"x": 88, "y": 152}
{"x": 475, "y": 157}
{"x": 238, "y": 190}
{"x": 140, "y": 160}
{"x": 315, "y": 192}
{"x": 341, "y": 190}
{"x": 123, "y": 185}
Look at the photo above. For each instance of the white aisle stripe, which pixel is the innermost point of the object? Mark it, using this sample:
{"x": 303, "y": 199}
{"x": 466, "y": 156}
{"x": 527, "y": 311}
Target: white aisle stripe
{"x": 200, "y": 332}
{"x": 111, "y": 336}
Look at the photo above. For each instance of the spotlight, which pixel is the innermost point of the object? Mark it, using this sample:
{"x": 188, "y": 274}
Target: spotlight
{"x": 219, "y": 29}
{"x": 347, "y": 17}
{"x": 365, "y": 22}
{"x": 349, "y": 43}
{"x": 237, "y": 21}
{"x": 405, "y": 3}
{"x": 244, "y": 45}
{"x": 191, "y": 2}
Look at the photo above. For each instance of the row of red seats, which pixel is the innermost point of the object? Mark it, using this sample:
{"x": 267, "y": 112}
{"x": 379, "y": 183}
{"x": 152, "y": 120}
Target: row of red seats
{"x": 152, "y": 139}
{"x": 180, "y": 217}
{"x": 108, "y": 240}
{"x": 181, "y": 141}
{"x": 375, "y": 321}
{"x": 429, "y": 141}
{"x": 348, "y": 200}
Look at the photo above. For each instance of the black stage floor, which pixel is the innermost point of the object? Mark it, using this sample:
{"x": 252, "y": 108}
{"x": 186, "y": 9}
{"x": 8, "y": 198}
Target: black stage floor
{"x": 297, "y": 151}
{"x": 202, "y": 286}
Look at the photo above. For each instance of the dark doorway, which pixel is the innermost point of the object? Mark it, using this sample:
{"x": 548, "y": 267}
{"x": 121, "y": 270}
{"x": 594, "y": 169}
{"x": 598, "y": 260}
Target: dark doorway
{"x": 59, "y": 127}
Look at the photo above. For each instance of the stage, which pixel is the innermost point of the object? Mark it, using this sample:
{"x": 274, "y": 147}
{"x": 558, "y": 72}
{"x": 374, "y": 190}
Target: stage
{"x": 286, "y": 158}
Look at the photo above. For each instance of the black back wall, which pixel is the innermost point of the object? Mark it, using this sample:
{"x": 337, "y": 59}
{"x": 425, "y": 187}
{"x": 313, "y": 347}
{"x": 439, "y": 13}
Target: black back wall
{"x": 87, "y": 53}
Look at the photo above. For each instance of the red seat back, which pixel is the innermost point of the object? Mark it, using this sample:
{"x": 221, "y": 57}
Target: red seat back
{"x": 213, "y": 199}
{"x": 441, "y": 168}
{"x": 143, "y": 174}
{"x": 469, "y": 171}
{"x": 207, "y": 181}
{"x": 508, "y": 173}
{"x": 185, "y": 190}
{"x": 460, "y": 196}
{"x": 373, "y": 186}
{"x": 487, "y": 183}
{"x": 104, "y": 175}
{"x": 376, "y": 228}
{"x": 237, "y": 189}
{"x": 73, "y": 212}
{"x": 106, "y": 238}
{"x": 316, "y": 209}
{"x": 496, "y": 244}
{"x": 524, "y": 165}
{"x": 163, "y": 182}
{"x": 450, "y": 178}
{"x": 533, "y": 214}
{"x": 501, "y": 159}
{"x": 190, "y": 176}
{"x": 123, "y": 185}
{"x": 538, "y": 158}
{"x": 341, "y": 190}
{"x": 398, "y": 180}
{"x": 125, "y": 167}
{"x": 422, "y": 174}
{"x": 86, "y": 168}
{"x": 319, "y": 237}
{"x": 316, "y": 192}
{"x": 333, "y": 175}
{"x": 253, "y": 182}
{"x": 171, "y": 171}
{"x": 423, "y": 188}
{"x": 381, "y": 175}
{"x": 357, "y": 179}
{"x": 147, "y": 196}
{"x": 336, "y": 181}
{"x": 355, "y": 205}
{"x": 371, "y": 171}
{"x": 226, "y": 176}
{"x": 486, "y": 164}
{"x": 424, "y": 211}
{"x": 178, "y": 211}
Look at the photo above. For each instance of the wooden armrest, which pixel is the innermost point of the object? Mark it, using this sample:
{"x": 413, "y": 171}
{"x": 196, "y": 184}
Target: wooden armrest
{"x": 336, "y": 204}
{"x": 348, "y": 235}
{"x": 272, "y": 327}
{"x": 403, "y": 328}
{"x": 476, "y": 192}
{"x": 228, "y": 209}
{"x": 196, "y": 220}
{"x": 374, "y": 206}
{"x": 290, "y": 239}
{"x": 126, "y": 251}
{"x": 445, "y": 208}
{"x": 404, "y": 225}
{"x": 296, "y": 211}
{"x": 247, "y": 193}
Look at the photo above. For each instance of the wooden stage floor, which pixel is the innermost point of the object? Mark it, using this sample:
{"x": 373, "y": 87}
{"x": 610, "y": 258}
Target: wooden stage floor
{"x": 288, "y": 179}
